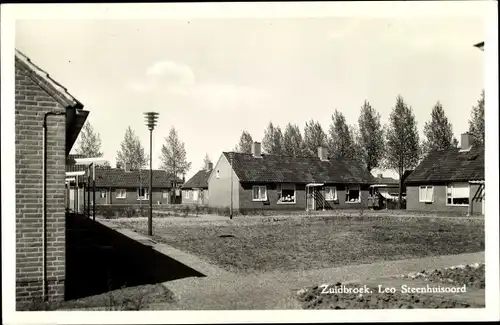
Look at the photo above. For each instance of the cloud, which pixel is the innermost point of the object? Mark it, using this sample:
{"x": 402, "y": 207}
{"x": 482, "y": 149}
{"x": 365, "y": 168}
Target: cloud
{"x": 165, "y": 76}
{"x": 176, "y": 82}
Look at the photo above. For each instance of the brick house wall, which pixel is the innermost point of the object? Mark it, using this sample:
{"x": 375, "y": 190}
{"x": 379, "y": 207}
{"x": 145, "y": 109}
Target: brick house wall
{"x": 31, "y": 103}
{"x": 247, "y": 203}
{"x": 187, "y": 196}
{"x": 130, "y": 198}
{"x": 439, "y": 200}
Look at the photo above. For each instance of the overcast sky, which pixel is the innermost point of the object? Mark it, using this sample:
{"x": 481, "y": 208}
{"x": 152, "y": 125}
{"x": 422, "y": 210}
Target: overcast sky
{"x": 212, "y": 79}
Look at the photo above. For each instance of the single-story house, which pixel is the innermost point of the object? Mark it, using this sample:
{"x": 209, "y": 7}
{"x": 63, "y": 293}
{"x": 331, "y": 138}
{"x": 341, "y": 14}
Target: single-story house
{"x": 119, "y": 186}
{"x": 195, "y": 190}
{"x": 384, "y": 190}
{"x": 253, "y": 181}
{"x": 48, "y": 120}
{"x": 449, "y": 180}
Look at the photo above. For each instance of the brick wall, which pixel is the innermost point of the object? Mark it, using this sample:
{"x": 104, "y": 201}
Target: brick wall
{"x": 31, "y": 102}
{"x": 439, "y": 200}
{"x": 188, "y": 196}
{"x": 130, "y": 197}
{"x": 247, "y": 203}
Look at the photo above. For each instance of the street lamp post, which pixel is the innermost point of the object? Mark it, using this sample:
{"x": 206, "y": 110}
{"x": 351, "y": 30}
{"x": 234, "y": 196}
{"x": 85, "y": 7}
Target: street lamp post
{"x": 151, "y": 119}
{"x": 231, "y": 202}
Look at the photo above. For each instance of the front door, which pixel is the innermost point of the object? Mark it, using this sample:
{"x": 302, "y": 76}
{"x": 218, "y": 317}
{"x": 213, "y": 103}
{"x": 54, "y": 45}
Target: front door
{"x": 482, "y": 205}
{"x": 310, "y": 199}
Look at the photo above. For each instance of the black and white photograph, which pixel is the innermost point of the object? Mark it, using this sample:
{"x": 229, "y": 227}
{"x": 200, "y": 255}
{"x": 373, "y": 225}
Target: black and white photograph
{"x": 253, "y": 162}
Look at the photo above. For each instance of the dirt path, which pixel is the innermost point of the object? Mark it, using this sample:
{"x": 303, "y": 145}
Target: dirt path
{"x": 275, "y": 290}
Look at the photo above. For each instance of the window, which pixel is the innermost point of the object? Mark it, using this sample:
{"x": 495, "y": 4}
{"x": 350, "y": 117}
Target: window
{"x": 164, "y": 194}
{"x": 352, "y": 195}
{"x": 195, "y": 195}
{"x": 426, "y": 193}
{"x": 121, "y": 193}
{"x": 217, "y": 174}
{"x": 286, "y": 193}
{"x": 103, "y": 194}
{"x": 457, "y": 194}
{"x": 330, "y": 193}
{"x": 142, "y": 194}
{"x": 259, "y": 193}
{"x": 186, "y": 194}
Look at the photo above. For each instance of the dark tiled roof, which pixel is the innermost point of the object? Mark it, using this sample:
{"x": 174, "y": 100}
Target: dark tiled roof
{"x": 386, "y": 180}
{"x": 43, "y": 79}
{"x": 199, "y": 180}
{"x": 300, "y": 170}
{"x": 70, "y": 163}
{"x": 119, "y": 178}
{"x": 450, "y": 165}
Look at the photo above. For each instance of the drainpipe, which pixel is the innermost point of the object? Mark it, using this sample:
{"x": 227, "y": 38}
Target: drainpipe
{"x": 44, "y": 203}
{"x": 93, "y": 190}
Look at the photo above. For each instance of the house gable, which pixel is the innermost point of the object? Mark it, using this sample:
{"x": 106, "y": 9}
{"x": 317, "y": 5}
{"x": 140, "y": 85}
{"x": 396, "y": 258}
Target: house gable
{"x": 55, "y": 93}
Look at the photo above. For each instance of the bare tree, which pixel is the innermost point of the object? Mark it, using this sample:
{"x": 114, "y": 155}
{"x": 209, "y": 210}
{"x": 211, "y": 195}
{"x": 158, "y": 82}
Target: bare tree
{"x": 403, "y": 150}
{"x": 476, "y": 122}
{"x": 314, "y": 137}
{"x": 371, "y": 137}
{"x": 245, "y": 144}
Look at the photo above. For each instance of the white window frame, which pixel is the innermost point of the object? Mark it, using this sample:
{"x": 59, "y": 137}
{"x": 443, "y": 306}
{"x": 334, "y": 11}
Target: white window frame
{"x": 347, "y": 189}
{"x": 119, "y": 192}
{"x": 103, "y": 194}
{"x": 146, "y": 194}
{"x": 260, "y": 187}
{"x": 425, "y": 200}
{"x": 450, "y": 186}
{"x": 196, "y": 195}
{"x": 164, "y": 194}
{"x": 186, "y": 194}
{"x": 286, "y": 186}
{"x": 335, "y": 197}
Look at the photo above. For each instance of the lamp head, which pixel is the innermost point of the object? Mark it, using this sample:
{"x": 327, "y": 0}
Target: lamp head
{"x": 151, "y": 118}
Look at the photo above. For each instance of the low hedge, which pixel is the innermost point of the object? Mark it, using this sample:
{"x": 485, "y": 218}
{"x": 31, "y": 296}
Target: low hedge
{"x": 164, "y": 210}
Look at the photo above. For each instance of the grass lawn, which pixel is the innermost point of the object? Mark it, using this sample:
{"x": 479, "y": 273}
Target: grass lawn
{"x": 260, "y": 244}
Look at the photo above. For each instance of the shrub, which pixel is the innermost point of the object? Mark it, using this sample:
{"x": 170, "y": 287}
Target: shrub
{"x": 129, "y": 212}
{"x": 185, "y": 210}
{"x": 107, "y": 213}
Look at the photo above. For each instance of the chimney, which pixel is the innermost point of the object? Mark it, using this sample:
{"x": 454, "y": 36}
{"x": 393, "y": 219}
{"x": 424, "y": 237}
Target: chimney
{"x": 127, "y": 167}
{"x": 465, "y": 141}
{"x": 323, "y": 153}
{"x": 209, "y": 166}
{"x": 256, "y": 150}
